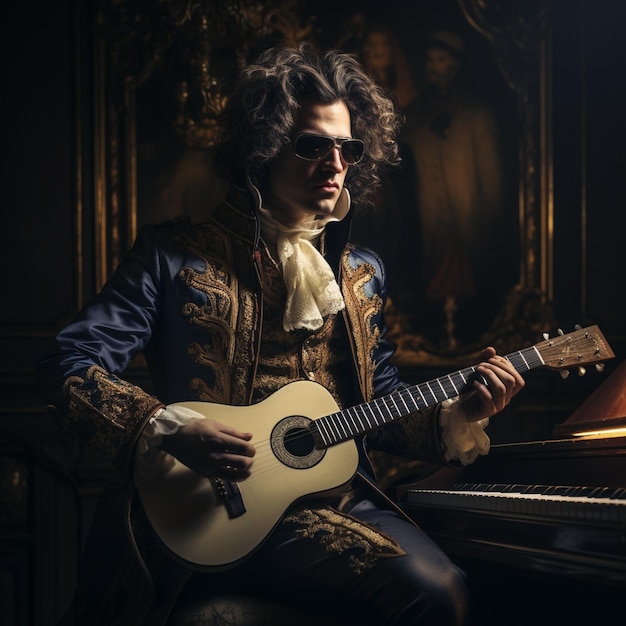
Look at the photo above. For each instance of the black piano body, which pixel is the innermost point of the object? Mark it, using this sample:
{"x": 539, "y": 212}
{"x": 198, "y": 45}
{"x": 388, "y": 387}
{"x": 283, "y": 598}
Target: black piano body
{"x": 537, "y": 551}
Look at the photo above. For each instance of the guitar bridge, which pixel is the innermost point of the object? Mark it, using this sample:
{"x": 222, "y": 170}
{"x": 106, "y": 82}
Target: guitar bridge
{"x": 231, "y": 496}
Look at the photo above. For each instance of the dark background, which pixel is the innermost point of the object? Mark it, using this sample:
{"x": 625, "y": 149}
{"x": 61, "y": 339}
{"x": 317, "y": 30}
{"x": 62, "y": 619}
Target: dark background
{"x": 48, "y": 483}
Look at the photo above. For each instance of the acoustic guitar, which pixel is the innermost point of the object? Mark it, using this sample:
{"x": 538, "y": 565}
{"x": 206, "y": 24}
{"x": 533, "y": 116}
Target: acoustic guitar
{"x": 305, "y": 448}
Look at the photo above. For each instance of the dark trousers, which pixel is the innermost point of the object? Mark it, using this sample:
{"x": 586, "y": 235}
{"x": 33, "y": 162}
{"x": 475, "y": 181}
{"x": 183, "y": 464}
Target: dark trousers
{"x": 421, "y": 586}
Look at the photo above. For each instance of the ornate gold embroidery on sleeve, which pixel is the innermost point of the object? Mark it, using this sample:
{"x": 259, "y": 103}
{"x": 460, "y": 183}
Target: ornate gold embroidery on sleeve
{"x": 339, "y": 532}
{"x": 107, "y": 411}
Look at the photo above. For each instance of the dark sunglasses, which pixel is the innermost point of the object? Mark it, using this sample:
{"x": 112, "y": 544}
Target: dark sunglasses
{"x": 311, "y": 147}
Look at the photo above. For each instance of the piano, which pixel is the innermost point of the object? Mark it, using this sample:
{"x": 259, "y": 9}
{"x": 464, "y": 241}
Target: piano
{"x": 539, "y": 526}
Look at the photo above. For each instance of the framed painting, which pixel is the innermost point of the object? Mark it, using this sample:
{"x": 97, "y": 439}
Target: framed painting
{"x": 464, "y": 225}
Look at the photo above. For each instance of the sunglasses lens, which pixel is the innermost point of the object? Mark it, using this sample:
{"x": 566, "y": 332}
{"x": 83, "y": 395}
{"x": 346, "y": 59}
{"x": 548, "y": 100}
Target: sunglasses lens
{"x": 352, "y": 151}
{"x": 316, "y": 147}
{"x": 313, "y": 147}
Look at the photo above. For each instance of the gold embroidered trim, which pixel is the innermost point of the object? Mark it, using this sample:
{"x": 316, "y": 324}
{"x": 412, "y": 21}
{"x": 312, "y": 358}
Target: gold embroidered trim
{"x": 217, "y": 316}
{"x": 107, "y": 411}
{"x": 228, "y": 316}
{"x": 339, "y": 532}
{"x": 361, "y": 308}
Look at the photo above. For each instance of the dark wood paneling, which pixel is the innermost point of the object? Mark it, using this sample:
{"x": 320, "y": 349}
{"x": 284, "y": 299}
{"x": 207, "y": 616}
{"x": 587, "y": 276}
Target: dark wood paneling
{"x": 48, "y": 148}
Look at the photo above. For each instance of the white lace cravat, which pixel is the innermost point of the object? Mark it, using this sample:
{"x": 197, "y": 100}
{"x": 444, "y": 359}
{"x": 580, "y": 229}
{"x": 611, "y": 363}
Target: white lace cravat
{"x": 312, "y": 291}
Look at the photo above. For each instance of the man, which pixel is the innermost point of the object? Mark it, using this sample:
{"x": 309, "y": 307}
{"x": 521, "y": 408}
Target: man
{"x": 459, "y": 186}
{"x": 266, "y": 292}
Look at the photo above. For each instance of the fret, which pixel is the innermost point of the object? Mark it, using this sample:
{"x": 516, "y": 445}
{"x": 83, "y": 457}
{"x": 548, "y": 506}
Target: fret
{"x": 422, "y": 396}
{"x": 395, "y": 411}
{"x": 342, "y": 424}
{"x": 409, "y": 395}
{"x": 445, "y": 395}
{"x": 530, "y": 358}
{"x": 355, "y": 428}
{"x": 434, "y": 395}
{"x": 370, "y": 422}
{"x": 425, "y": 387}
{"x": 376, "y": 404}
{"x": 405, "y": 395}
{"x": 407, "y": 410}
{"x": 377, "y": 417}
{"x": 329, "y": 427}
{"x": 370, "y": 408}
{"x": 322, "y": 429}
{"x": 334, "y": 428}
{"x": 353, "y": 424}
{"x": 525, "y": 361}
{"x": 401, "y": 408}
{"x": 380, "y": 410}
{"x": 350, "y": 421}
{"x": 537, "y": 360}
{"x": 391, "y": 409}
{"x": 456, "y": 391}
{"x": 370, "y": 419}
{"x": 463, "y": 377}
{"x": 448, "y": 387}
{"x": 518, "y": 361}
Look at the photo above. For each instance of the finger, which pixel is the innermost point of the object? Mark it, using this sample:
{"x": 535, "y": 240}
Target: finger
{"x": 236, "y": 461}
{"x": 237, "y": 446}
{"x": 494, "y": 389}
{"x": 503, "y": 384}
{"x": 503, "y": 363}
{"x": 481, "y": 404}
{"x": 234, "y": 432}
{"x": 487, "y": 353}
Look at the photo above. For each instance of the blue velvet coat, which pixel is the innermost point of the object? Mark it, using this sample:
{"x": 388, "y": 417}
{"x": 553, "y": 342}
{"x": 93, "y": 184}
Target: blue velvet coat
{"x": 189, "y": 297}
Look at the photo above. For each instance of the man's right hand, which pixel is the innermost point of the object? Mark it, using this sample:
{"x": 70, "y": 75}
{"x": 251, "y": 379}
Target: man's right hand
{"x": 212, "y": 449}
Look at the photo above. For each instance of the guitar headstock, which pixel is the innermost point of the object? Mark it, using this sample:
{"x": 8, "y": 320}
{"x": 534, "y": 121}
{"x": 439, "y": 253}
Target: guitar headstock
{"x": 576, "y": 349}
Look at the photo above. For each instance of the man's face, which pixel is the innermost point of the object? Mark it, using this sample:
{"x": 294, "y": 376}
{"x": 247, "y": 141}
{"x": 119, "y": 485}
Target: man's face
{"x": 441, "y": 67}
{"x": 377, "y": 51}
{"x": 297, "y": 190}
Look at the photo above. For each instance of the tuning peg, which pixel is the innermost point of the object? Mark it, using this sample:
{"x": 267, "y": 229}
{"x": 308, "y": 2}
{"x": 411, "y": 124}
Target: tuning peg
{"x": 564, "y": 373}
{"x": 581, "y": 370}
{"x": 560, "y": 331}
{"x": 546, "y": 336}
{"x": 599, "y": 367}
{"x": 578, "y": 327}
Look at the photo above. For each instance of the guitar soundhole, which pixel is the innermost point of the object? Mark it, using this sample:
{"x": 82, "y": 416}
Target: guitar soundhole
{"x": 299, "y": 442}
{"x": 292, "y": 443}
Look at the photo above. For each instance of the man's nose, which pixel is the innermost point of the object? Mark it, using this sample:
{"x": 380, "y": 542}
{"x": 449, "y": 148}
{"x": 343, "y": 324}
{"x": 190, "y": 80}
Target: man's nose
{"x": 335, "y": 160}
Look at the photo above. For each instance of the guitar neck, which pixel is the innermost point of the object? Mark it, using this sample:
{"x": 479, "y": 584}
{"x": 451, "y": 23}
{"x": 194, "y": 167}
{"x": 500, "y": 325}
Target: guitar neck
{"x": 360, "y": 419}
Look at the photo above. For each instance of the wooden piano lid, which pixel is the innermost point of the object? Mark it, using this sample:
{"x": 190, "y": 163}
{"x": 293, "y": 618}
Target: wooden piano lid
{"x": 603, "y": 414}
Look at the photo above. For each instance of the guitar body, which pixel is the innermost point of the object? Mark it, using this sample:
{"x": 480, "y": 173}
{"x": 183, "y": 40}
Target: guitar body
{"x": 188, "y": 512}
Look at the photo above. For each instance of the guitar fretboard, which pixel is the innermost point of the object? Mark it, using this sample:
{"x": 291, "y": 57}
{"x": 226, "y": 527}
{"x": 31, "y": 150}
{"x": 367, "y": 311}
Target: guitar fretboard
{"x": 357, "y": 420}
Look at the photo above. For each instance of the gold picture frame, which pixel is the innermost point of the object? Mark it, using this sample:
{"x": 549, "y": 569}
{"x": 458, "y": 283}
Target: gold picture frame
{"x": 135, "y": 54}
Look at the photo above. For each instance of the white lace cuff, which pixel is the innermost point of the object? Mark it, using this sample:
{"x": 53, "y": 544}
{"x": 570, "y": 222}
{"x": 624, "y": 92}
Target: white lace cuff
{"x": 462, "y": 441}
{"x": 150, "y": 461}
